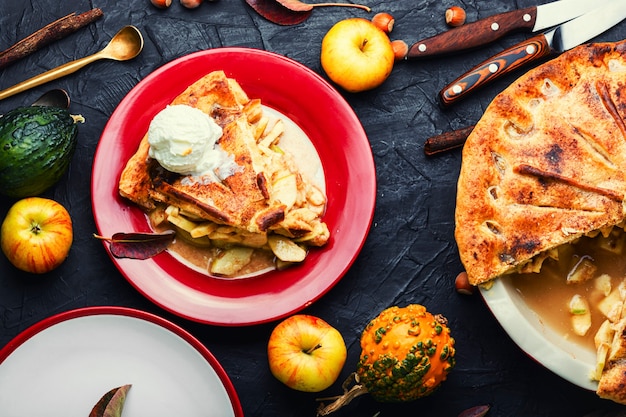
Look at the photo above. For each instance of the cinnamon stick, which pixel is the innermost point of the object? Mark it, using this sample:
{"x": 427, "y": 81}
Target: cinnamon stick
{"x": 447, "y": 141}
{"x": 49, "y": 33}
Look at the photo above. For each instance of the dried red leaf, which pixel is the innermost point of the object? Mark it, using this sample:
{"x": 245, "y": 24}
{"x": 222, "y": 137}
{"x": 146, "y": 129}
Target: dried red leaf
{"x": 296, "y": 5}
{"x": 112, "y": 403}
{"x": 276, "y": 13}
{"x": 139, "y": 245}
{"x": 299, "y": 6}
{"x": 478, "y": 411}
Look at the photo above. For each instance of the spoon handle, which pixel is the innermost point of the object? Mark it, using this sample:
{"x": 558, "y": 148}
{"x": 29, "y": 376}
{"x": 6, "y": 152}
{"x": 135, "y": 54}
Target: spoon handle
{"x": 49, "y": 75}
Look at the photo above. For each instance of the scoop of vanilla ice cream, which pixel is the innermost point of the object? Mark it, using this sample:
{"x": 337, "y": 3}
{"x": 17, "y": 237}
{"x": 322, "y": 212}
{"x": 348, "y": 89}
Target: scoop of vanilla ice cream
{"x": 182, "y": 139}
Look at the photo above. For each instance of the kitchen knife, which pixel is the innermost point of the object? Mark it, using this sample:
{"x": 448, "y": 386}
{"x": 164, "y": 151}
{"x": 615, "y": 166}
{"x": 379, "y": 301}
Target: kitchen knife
{"x": 557, "y": 40}
{"x": 487, "y": 30}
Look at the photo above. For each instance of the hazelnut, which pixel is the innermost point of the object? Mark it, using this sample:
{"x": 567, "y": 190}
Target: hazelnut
{"x": 462, "y": 284}
{"x": 191, "y": 4}
{"x": 400, "y": 49}
{"x": 161, "y": 4}
{"x": 455, "y": 16}
{"x": 383, "y": 21}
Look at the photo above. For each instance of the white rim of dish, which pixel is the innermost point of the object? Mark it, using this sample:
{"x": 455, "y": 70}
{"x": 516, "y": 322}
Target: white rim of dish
{"x": 145, "y": 325}
{"x": 566, "y": 358}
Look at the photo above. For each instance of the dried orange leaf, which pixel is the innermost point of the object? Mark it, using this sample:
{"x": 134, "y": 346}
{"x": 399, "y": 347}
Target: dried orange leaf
{"x": 112, "y": 403}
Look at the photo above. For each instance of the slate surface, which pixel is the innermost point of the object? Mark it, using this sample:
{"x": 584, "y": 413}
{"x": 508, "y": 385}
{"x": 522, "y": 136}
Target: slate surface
{"x": 409, "y": 256}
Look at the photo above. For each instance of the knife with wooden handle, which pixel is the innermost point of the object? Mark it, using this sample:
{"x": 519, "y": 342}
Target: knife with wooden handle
{"x": 489, "y": 29}
{"x": 564, "y": 37}
{"x": 507, "y": 61}
{"x": 475, "y": 34}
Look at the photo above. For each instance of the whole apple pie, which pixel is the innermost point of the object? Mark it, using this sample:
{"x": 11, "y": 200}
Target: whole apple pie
{"x": 545, "y": 166}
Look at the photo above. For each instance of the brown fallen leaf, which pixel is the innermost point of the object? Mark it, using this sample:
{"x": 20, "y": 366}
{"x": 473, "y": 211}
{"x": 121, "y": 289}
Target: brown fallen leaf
{"x": 112, "y": 403}
{"x": 299, "y": 6}
{"x": 138, "y": 245}
{"x": 276, "y": 13}
{"x": 290, "y": 12}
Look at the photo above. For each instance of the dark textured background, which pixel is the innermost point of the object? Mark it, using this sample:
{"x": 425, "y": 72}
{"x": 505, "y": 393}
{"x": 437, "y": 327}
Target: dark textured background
{"x": 409, "y": 256}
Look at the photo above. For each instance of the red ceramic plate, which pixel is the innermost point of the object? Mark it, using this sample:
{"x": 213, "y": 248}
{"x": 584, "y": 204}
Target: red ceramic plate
{"x": 319, "y": 110}
{"x": 65, "y": 363}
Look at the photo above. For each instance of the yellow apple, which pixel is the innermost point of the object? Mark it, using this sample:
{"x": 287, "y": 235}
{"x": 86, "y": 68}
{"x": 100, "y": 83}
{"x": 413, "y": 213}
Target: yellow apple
{"x": 357, "y": 55}
{"x": 306, "y": 353}
{"x": 36, "y": 235}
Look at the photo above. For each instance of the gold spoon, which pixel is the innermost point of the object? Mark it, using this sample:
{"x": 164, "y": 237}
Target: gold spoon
{"x": 125, "y": 45}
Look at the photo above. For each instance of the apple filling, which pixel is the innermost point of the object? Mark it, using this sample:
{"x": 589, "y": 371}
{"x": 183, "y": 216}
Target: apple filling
{"x": 587, "y": 279}
{"x": 228, "y": 251}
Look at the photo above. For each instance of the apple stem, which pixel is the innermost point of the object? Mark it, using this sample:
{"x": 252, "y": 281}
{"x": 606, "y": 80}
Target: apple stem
{"x": 314, "y": 348}
{"x": 358, "y": 6}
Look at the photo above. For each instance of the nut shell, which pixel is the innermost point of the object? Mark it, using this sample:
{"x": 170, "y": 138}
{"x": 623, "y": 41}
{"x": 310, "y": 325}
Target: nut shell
{"x": 384, "y": 21}
{"x": 161, "y": 4}
{"x": 455, "y": 16}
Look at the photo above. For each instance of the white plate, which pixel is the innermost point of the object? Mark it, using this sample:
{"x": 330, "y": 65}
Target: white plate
{"x": 564, "y": 357}
{"x": 63, "y": 365}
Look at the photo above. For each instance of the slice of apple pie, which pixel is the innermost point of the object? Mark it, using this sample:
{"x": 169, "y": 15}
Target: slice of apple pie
{"x": 257, "y": 197}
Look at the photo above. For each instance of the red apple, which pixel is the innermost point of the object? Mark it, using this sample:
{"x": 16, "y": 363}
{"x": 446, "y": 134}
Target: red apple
{"x": 36, "y": 234}
{"x": 357, "y": 55}
{"x": 306, "y": 353}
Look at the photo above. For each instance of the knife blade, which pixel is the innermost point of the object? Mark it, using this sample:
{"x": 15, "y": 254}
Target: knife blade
{"x": 557, "y": 40}
{"x": 487, "y": 30}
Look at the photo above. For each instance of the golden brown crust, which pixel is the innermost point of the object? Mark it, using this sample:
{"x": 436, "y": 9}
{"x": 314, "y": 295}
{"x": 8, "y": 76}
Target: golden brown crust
{"x": 233, "y": 201}
{"x": 247, "y": 199}
{"x": 135, "y": 183}
{"x": 546, "y": 163}
{"x": 612, "y": 385}
{"x": 218, "y": 96}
